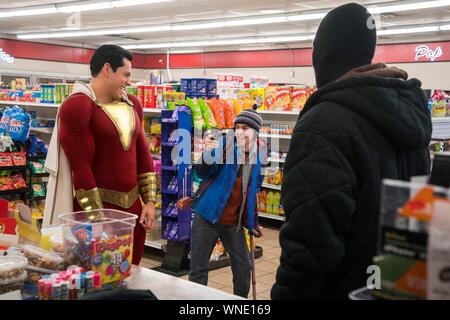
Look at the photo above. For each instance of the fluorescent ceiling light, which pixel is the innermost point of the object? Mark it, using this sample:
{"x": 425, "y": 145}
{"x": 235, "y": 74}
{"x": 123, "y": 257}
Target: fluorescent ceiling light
{"x": 388, "y": 32}
{"x": 410, "y": 6}
{"x": 248, "y": 22}
{"x": 209, "y": 25}
{"x": 271, "y": 11}
{"x": 74, "y": 7}
{"x": 445, "y": 28}
{"x": 224, "y": 42}
{"x": 88, "y": 33}
{"x": 306, "y": 17}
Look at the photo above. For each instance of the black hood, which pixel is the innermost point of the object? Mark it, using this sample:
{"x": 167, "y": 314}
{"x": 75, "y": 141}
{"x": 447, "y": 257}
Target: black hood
{"x": 397, "y": 108}
{"x": 346, "y": 39}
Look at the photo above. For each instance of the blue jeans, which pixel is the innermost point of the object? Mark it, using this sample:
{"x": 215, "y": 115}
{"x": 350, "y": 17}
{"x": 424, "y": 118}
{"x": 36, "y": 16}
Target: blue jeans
{"x": 203, "y": 239}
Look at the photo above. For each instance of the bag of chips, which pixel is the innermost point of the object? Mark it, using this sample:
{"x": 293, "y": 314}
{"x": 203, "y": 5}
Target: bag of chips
{"x": 208, "y": 116}
{"x": 229, "y": 114}
{"x": 4, "y": 122}
{"x": 216, "y": 107}
{"x": 197, "y": 117}
{"x": 19, "y": 125}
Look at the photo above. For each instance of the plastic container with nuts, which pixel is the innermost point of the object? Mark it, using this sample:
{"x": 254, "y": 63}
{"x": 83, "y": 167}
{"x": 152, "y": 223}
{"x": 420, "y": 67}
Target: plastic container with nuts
{"x": 12, "y": 273}
{"x": 35, "y": 274}
{"x": 40, "y": 258}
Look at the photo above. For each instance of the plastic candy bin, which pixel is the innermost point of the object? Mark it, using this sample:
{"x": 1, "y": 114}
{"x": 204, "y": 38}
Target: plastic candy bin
{"x": 100, "y": 240}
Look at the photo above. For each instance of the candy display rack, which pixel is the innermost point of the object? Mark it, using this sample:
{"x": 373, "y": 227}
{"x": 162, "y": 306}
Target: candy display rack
{"x": 176, "y": 184}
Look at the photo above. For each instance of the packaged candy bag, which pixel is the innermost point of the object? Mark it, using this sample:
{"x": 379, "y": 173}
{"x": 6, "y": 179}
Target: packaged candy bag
{"x": 229, "y": 114}
{"x": 197, "y": 117}
{"x": 208, "y": 116}
{"x": 19, "y": 126}
{"x": 216, "y": 107}
{"x": 4, "y": 122}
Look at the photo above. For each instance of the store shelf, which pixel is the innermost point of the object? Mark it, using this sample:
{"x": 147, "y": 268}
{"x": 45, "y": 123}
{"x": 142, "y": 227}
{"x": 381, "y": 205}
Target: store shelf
{"x": 271, "y": 186}
{"x": 275, "y": 136}
{"x": 13, "y": 168}
{"x": 38, "y": 198}
{"x": 169, "y": 144}
{"x": 441, "y": 128}
{"x": 271, "y": 216}
{"x": 287, "y": 113}
{"x": 40, "y": 175}
{"x": 16, "y": 191}
{"x": 151, "y": 110}
{"x": 157, "y": 244}
{"x": 170, "y": 168}
{"x": 42, "y": 130}
{"x": 170, "y": 192}
{"x": 29, "y": 104}
{"x": 276, "y": 160}
{"x": 446, "y": 119}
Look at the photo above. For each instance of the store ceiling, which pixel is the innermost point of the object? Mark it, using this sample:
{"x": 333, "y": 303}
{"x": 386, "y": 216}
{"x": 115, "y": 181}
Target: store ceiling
{"x": 180, "y": 12}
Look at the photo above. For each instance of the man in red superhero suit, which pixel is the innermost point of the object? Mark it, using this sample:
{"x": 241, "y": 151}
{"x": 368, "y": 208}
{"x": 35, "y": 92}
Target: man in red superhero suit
{"x": 101, "y": 132}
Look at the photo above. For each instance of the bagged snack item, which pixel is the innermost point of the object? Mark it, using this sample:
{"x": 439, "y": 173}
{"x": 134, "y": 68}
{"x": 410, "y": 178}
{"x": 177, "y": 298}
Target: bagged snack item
{"x": 40, "y": 258}
{"x": 18, "y": 182}
{"x": 269, "y": 202}
{"x": 262, "y": 199}
{"x": 276, "y": 203}
{"x": 208, "y": 116}
{"x": 216, "y": 107}
{"x": 19, "y": 158}
{"x": 38, "y": 190}
{"x": 5, "y": 120}
{"x": 439, "y": 109}
{"x": 299, "y": 95}
{"x": 6, "y": 160}
{"x": 197, "y": 117}
{"x": 19, "y": 127}
{"x": 229, "y": 114}
{"x": 37, "y": 167}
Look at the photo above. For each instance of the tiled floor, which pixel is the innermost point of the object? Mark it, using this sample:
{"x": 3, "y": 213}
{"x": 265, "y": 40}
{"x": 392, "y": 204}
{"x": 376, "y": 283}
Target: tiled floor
{"x": 265, "y": 267}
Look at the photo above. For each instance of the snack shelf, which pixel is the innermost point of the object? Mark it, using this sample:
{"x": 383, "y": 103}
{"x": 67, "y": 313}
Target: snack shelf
{"x": 151, "y": 110}
{"x": 13, "y": 168}
{"x": 38, "y": 198}
{"x": 271, "y": 216}
{"x": 157, "y": 244}
{"x": 288, "y": 113}
{"x": 29, "y": 104}
{"x": 271, "y": 186}
{"x": 15, "y": 191}
{"x": 275, "y": 136}
{"x": 276, "y": 160}
{"x": 42, "y": 130}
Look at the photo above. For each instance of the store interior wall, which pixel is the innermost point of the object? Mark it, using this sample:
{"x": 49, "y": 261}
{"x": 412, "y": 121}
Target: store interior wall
{"x": 57, "y": 69}
{"x": 432, "y": 75}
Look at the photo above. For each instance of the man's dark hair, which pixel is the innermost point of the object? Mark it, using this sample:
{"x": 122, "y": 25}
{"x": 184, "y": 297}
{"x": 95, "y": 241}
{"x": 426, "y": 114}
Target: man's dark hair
{"x": 111, "y": 54}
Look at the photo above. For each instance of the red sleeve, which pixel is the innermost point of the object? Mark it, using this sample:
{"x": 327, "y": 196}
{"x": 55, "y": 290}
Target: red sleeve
{"x": 76, "y": 139}
{"x": 144, "y": 159}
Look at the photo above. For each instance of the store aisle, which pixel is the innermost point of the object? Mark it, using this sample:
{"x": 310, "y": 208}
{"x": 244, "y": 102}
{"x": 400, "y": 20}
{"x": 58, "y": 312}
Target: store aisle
{"x": 266, "y": 267}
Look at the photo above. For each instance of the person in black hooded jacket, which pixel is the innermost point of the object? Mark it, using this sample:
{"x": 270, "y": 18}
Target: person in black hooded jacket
{"x": 365, "y": 123}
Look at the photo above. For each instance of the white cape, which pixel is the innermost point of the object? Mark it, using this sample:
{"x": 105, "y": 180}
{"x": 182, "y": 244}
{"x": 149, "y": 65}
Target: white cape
{"x": 60, "y": 191}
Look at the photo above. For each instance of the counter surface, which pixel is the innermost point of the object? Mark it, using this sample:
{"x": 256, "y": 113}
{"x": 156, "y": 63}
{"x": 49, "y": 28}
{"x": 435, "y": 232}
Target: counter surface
{"x": 166, "y": 287}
